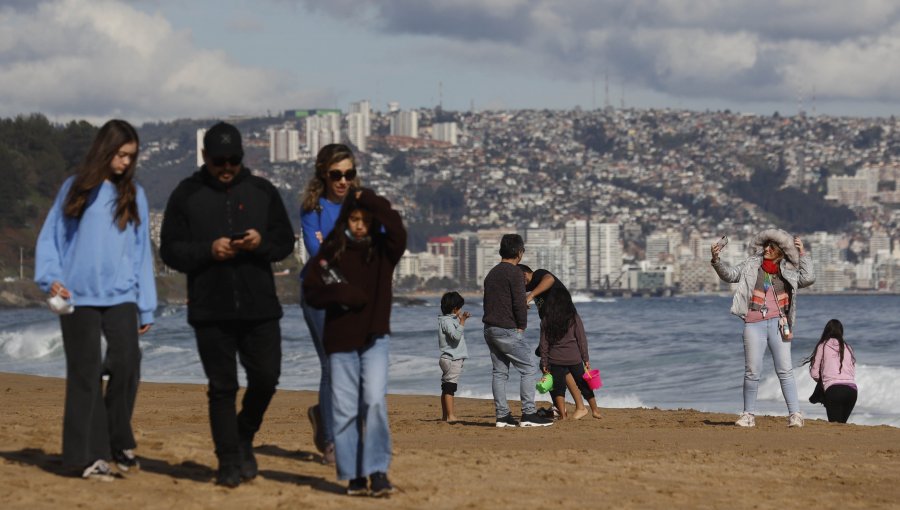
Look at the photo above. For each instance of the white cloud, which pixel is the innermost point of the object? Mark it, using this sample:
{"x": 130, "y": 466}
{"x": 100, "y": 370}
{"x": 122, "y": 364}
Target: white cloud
{"x": 95, "y": 59}
{"x": 734, "y": 50}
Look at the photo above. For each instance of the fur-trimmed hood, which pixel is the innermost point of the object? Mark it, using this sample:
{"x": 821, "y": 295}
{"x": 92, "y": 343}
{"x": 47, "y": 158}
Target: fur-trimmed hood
{"x": 784, "y": 241}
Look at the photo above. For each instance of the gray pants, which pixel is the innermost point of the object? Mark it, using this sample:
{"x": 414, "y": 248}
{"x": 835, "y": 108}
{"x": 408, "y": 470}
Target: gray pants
{"x": 507, "y": 347}
{"x": 94, "y": 423}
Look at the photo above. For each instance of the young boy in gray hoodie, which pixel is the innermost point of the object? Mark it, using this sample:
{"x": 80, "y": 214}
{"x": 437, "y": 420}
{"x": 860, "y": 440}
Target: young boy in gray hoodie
{"x": 452, "y": 342}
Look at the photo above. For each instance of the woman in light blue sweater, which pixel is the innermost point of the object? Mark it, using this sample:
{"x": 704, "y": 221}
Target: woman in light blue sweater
{"x": 94, "y": 251}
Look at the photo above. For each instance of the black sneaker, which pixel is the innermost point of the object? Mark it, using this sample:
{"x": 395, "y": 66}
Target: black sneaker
{"x": 533, "y": 420}
{"x": 228, "y": 475}
{"x": 358, "y": 487}
{"x": 381, "y": 486}
{"x": 249, "y": 469}
{"x": 125, "y": 460}
{"x": 507, "y": 421}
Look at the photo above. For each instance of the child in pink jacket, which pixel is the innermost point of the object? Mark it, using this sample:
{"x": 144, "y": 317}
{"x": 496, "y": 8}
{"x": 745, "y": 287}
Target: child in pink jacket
{"x": 833, "y": 364}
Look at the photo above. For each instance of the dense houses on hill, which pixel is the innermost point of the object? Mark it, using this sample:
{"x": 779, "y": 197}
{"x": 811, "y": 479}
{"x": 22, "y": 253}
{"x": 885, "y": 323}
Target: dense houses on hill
{"x": 619, "y": 200}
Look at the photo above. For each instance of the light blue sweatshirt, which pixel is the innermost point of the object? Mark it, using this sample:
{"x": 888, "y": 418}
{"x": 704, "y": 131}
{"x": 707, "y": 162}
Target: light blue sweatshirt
{"x": 99, "y": 264}
{"x": 452, "y": 337}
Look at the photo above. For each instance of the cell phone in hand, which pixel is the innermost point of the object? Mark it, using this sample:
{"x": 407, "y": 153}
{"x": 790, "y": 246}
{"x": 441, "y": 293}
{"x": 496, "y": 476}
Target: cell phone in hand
{"x": 723, "y": 242}
{"x": 237, "y": 236}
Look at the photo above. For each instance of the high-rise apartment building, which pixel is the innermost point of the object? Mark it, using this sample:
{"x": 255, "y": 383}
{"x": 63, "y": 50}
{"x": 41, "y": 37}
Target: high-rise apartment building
{"x": 364, "y": 108}
{"x": 595, "y": 254}
{"x": 284, "y": 145}
{"x": 322, "y": 130}
{"x": 356, "y": 130}
{"x": 405, "y": 123}
{"x": 546, "y": 249}
{"x": 465, "y": 246}
{"x": 444, "y": 132}
{"x": 200, "y": 133}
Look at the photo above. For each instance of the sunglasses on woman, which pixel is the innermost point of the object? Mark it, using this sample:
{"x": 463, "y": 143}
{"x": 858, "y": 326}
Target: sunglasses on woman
{"x": 231, "y": 160}
{"x": 337, "y": 175}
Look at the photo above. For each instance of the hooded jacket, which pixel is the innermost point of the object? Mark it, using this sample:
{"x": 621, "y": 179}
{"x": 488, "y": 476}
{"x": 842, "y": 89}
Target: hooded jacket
{"x": 203, "y": 209}
{"x": 359, "y": 309}
{"x": 797, "y": 270}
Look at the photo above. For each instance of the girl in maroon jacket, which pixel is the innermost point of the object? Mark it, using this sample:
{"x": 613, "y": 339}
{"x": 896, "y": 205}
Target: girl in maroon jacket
{"x": 351, "y": 279}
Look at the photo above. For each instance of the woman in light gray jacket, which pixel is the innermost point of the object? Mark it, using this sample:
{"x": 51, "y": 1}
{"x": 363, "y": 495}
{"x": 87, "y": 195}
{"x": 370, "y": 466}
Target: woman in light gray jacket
{"x": 766, "y": 300}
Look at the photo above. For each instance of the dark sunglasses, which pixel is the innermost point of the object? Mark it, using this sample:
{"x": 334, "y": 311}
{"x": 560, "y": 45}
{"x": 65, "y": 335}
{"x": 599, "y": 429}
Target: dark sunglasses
{"x": 231, "y": 160}
{"x": 337, "y": 175}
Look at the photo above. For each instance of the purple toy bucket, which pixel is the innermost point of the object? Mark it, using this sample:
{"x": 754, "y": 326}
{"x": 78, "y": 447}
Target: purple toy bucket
{"x": 592, "y": 377}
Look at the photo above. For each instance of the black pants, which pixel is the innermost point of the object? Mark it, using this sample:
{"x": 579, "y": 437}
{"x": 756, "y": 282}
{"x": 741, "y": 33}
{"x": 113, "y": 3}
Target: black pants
{"x": 559, "y": 380}
{"x": 839, "y": 402}
{"x": 258, "y": 346}
{"x": 93, "y": 422}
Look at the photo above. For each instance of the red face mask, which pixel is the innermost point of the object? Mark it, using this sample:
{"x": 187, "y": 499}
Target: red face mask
{"x": 769, "y": 266}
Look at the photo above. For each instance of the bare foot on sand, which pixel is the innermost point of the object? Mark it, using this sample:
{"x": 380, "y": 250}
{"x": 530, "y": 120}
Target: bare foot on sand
{"x": 579, "y": 414}
{"x": 596, "y": 414}
{"x": 450, "y": 419}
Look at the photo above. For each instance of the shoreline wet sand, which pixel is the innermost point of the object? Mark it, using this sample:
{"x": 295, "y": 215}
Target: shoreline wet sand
{"x": 632, "y": 458}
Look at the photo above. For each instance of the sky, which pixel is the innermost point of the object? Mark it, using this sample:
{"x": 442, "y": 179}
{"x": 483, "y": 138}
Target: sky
{"x": 147, "y": 60}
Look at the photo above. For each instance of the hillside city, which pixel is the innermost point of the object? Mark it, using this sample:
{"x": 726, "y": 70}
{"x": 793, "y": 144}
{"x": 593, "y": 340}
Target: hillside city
{"x": 612, "y": 201}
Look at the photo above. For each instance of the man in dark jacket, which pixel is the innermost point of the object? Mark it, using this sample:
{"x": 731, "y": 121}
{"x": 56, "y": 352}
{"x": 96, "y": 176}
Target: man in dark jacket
{"x": 224, "y": 227}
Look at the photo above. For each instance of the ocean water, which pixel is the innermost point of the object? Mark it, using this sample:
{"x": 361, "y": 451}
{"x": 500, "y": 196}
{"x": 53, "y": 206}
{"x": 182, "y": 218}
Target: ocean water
{"x": 670, "y": 353}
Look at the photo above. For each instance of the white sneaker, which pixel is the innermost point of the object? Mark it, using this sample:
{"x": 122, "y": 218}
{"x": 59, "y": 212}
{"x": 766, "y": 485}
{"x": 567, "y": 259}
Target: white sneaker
{"x": 795, "y": 419}
{"x": 746, "y": 420}
{"x": 99, "y": 470}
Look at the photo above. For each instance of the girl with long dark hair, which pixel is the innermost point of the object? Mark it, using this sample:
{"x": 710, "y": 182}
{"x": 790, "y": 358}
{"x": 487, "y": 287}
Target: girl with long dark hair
{"x": 833, "y": 364}
{"x": 564, "y": 351}
{"x": 94, "y": 251}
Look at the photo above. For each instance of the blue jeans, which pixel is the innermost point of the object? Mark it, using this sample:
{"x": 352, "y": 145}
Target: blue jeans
{"x": 757, "y": 335}
{"x": 508, "y": 346}
{"x": 315, "y": 321}
{"x": 362, "y": 437}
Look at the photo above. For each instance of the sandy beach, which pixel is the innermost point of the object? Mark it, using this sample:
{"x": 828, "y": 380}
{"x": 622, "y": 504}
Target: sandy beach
{"x": 632, "y": 458}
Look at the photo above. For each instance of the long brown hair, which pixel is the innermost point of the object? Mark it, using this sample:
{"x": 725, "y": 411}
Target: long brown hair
{"x": 315, "y": 187}
{"x": 96, "y": 168}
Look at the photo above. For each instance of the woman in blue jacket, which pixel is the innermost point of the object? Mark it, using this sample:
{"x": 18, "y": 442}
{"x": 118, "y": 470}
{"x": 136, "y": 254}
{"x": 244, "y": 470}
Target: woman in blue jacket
{"x": 335, "y": 174}
{"x": 94, "y": 251}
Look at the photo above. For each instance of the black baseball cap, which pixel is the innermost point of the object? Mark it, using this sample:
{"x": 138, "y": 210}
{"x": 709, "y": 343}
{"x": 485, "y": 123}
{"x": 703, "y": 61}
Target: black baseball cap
{"x": 222, "y": 141}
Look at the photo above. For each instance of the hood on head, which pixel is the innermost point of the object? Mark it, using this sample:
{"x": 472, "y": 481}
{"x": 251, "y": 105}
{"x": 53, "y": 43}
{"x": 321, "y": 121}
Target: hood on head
{"x": 784, "y": 241}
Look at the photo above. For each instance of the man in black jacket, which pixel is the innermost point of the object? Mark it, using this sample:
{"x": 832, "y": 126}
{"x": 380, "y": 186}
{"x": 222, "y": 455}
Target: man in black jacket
{"x": 224, "y": 227}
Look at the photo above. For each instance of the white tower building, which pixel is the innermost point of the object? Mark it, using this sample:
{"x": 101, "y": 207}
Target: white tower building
{"x": 444, "y": 132}
{"x": 405, "y": 124}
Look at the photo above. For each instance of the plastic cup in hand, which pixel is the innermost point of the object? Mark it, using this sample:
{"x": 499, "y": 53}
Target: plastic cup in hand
{"x": 545, "y": 384}
{"x": 60, "y": 305}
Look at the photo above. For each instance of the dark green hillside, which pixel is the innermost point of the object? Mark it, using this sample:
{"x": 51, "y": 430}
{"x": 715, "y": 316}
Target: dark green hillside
{"x": 35, "y": 158}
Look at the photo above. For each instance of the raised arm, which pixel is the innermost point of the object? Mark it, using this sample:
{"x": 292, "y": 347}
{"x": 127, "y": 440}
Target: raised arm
{"x": 395, "y": 232}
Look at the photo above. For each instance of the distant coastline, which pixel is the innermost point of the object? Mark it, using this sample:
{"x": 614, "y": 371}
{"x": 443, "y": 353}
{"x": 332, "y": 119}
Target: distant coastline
{"x": 25, "y": 294}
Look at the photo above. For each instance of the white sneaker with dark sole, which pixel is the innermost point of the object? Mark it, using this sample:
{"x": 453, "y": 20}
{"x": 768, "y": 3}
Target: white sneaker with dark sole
{"x": 507, "y": 421}
{"x": 746, "y": 420}
{"x": 99, "y": 470}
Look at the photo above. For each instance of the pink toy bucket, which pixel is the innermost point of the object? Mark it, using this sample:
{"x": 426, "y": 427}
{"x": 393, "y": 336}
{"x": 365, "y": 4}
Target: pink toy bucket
{"x": 592, "y": 377}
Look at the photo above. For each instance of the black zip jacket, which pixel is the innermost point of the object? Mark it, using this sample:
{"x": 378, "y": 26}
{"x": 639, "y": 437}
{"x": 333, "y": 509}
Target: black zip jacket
{"x": 203, "y": 209}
